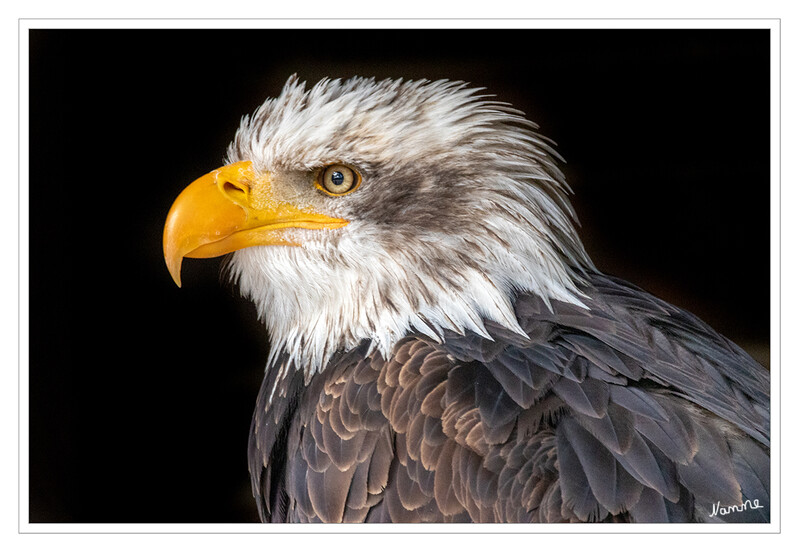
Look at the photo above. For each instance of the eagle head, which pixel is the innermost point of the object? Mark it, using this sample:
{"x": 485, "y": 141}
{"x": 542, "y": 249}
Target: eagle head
{"x": 361, "y": 211}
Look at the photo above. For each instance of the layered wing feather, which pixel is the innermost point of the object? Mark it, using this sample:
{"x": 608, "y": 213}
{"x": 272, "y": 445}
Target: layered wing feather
{"x": 628, "y": 410}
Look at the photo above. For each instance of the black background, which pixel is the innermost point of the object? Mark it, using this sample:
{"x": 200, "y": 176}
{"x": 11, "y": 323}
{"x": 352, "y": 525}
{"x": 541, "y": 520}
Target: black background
{"x": 141, "y": 393}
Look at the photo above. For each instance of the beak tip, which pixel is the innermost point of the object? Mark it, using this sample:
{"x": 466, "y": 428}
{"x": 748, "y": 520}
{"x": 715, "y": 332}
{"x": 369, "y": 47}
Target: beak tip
{"x": 174, "y": 269}
{"x": 176, "y": 278}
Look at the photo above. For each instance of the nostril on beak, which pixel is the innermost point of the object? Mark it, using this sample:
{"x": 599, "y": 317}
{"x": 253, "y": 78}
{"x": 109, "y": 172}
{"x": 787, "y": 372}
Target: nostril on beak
{"x": 230, "y": 186}
{"x": 234, "y": 190}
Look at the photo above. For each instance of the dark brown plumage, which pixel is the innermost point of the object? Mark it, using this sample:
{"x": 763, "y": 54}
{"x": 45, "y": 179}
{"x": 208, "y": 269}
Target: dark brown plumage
{"x": 599, "y": 416}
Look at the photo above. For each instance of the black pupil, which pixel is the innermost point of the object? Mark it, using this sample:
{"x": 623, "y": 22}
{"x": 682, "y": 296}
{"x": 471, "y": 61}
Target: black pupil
{"x": 337, "y": 178}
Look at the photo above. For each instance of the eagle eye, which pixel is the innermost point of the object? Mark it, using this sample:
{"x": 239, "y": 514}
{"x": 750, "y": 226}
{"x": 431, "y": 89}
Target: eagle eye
{"x": 338, "y": 179}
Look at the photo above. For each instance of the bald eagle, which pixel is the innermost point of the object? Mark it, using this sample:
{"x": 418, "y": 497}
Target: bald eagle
{"x": 442, "y": 347}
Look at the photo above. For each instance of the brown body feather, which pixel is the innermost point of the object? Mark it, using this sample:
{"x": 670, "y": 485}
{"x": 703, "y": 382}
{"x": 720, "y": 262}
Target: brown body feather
{"x": 631, "y": 411}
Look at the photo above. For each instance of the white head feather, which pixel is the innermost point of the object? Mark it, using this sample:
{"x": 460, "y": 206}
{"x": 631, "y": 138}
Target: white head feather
{"x": 461, "y": 209}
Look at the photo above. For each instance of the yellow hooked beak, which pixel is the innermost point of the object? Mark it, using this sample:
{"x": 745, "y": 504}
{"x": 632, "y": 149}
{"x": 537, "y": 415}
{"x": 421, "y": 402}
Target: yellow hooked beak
{"x": 217, "y": 214}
